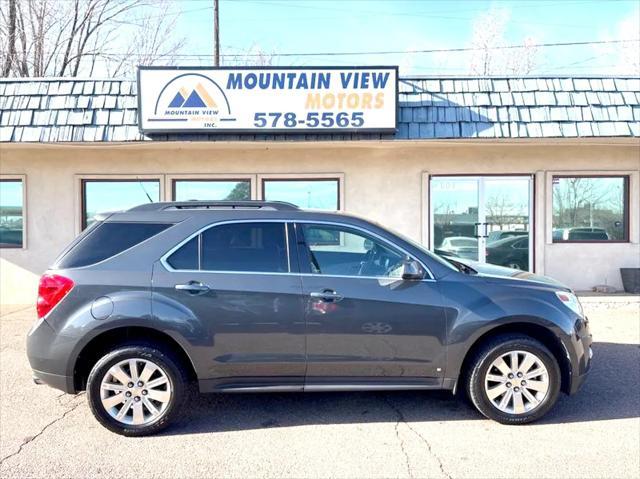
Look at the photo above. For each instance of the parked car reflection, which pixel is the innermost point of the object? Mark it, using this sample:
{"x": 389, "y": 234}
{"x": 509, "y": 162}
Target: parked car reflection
{"x": 580, "y": 234}
{"x": 502, "y": 234}
{"x": 460, "y": 246}
{"x": 511, "y": 252}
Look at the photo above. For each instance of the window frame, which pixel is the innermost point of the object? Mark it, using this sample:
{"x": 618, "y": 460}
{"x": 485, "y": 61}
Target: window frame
{"x": 338, "y": 177}
{"x": 626, "y": 207}
{"x": 81, "y": 180}
{"x": 23, "y": 180}
{"x": 292, "y": 263}
{"x": 171, "y": 181}
{"x": 303, "y": 247}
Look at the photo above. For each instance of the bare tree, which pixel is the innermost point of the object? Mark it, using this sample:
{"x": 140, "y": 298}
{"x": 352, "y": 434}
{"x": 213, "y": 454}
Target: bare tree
{"x": 10, "y": 35}
{"x": 578, "y": 195}
{"x": 623, "y": 58}
{"x": 252, "y": 56}
{"x": 500, "y": 210}
{"x": 152, "y": 42}
{"x": 67, "y": 38}
{"x": 488, "y": 40}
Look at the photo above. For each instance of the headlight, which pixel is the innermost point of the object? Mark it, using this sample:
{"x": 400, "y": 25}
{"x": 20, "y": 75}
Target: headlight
{"x": 570, "y": 300}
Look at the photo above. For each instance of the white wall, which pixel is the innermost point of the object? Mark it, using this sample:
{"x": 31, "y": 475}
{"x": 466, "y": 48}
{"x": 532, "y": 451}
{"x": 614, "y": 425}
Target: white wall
{"x": 384, "y": 181}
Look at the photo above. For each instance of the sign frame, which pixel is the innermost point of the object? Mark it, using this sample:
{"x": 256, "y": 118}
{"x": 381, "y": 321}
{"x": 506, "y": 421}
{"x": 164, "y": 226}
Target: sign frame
{"x": 269, "y": 131}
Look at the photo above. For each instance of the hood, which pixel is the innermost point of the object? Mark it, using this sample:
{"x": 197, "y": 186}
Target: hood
{"x": 493, "y": 271}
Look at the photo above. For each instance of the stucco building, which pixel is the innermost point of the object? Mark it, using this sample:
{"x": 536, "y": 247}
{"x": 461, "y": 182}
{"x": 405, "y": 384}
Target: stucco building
{"x": 537, "y": 173}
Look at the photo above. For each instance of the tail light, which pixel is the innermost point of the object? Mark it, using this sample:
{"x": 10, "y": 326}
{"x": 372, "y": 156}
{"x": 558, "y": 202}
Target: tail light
{"x": 51, "y": 290}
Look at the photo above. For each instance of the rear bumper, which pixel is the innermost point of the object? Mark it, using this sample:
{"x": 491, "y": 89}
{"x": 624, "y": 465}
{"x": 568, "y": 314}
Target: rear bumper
{"x": 49, "y": 355}
{"x": 63, "y": 383}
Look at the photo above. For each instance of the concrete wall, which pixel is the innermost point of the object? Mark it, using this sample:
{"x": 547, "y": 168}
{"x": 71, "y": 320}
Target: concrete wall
{"x": 384, "y": 181}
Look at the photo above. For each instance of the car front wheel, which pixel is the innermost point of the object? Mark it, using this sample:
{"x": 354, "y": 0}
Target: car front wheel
{"x": 136, "y": 390}
{"x": 514, "y": 379}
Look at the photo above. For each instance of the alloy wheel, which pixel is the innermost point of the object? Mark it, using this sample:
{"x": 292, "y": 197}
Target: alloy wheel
{"x": 135, "y": 392}
{"x": 517, "y": 382}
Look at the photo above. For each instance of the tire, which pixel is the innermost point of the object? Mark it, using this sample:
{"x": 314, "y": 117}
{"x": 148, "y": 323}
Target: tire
{"x": 484, "y": 378}
{"x": 515, "y": 265}
{"x": 166, "y": 393}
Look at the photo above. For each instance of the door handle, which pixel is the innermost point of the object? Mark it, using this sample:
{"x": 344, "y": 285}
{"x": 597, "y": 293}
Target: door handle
{"x": 193, "y": 287}
{"x": 327, "y": 295}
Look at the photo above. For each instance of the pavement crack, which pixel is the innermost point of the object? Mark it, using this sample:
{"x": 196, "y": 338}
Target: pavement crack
{"x": 397, "y": 430}
{"x": 39, "y": 433}
{"x": 402, "y": 419}
{"x": 406, "y": 455}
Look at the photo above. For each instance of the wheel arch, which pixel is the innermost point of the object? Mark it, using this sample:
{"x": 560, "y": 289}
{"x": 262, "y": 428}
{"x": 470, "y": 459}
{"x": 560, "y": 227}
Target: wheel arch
{"x": 533, "y": 330}
{"x": 101, "y": 344}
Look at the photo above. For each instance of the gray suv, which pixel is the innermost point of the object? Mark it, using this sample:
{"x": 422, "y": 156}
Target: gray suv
{"x": 263, "y": 296}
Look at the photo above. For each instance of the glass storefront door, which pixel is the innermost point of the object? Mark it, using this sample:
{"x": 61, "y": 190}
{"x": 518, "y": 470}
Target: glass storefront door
{"x": 484, "y": 218}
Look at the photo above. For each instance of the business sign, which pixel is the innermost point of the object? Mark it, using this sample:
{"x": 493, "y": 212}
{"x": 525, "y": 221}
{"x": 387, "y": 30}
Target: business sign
{"x": 316, "y": 99}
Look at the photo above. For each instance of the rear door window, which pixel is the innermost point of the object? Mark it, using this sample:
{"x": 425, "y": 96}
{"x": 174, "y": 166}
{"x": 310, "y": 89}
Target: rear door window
{"x": 107, "y": 240}
{"x": 260, "y": 247}
{"x": 235, "y": 247}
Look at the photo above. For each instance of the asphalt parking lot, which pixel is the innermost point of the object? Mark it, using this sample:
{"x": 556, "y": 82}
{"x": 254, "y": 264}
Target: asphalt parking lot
{"x": 44, "y": 433}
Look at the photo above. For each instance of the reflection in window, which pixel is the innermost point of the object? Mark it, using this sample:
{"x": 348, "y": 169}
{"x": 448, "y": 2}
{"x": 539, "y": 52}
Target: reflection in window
{"x": 11, "y": 214}
{"x": 100, "y": 196}
{"x": 590, "y": 208}
{"x": 314, "y": 194}
{"x": 354, "y": 254}
{"x": 213, "y": 190}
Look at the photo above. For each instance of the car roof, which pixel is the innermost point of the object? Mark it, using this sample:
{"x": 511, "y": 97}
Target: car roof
{"x": 177, "y": 211}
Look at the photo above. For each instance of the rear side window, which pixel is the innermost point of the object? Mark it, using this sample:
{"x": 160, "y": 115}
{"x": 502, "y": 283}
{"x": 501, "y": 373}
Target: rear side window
{"x": 186, "y": 257}
{"x": 107, "y": 240}
{"x": 241, "y": 247}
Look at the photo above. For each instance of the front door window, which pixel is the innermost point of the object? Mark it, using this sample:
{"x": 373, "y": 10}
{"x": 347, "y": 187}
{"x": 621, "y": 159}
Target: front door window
{"x": 339, "y": 251}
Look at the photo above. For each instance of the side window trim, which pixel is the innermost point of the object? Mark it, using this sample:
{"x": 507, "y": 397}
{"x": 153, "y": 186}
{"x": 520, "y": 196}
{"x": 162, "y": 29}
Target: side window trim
{"x": 199, "y": 233}
{"x": 302, "y": 247}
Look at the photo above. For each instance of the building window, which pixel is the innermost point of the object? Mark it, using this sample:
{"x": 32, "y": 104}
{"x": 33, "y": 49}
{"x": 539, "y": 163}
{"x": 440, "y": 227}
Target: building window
{"x": 11, "y": 214}
{"x": 320, "y": 193}
{"x": 214, "y": 190}
{"x": 590, "y": 208}
{"x": 100, "y": 196}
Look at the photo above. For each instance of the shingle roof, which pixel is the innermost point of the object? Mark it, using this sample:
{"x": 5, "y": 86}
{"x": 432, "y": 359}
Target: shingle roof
{"x": 68, "y": 109}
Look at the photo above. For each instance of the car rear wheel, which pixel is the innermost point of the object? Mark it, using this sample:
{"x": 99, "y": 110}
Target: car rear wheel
{"x": 514, "y": 379}
{"x": 515, "y": 265}
{"x": 136, "y": 390}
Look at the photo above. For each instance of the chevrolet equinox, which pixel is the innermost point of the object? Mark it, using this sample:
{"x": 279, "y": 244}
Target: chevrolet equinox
{"x": 251, "y": 296}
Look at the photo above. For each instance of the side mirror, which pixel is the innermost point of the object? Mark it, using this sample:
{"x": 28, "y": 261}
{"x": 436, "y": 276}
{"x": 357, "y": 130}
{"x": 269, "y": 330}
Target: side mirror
{"x": 412, "y": 270}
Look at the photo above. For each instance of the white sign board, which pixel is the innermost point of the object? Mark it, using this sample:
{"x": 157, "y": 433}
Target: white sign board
{"x": 315, "y": 99}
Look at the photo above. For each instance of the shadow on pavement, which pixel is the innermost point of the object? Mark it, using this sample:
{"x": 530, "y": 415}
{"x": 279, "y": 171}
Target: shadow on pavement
{"x": 611, "y": 392}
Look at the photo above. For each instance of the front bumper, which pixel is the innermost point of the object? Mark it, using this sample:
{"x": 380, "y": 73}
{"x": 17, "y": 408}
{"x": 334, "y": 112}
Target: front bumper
{"x": 582, "y": 356}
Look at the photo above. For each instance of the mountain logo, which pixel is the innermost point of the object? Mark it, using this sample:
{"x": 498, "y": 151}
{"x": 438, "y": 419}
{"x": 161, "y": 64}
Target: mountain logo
{"x": 197, "y": 98}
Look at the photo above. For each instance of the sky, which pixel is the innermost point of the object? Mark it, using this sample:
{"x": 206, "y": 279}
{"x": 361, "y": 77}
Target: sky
{"x": 306, "y": 26}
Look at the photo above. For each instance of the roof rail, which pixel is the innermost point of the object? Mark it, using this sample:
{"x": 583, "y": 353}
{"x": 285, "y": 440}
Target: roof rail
{"x": 223, "y": 204}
